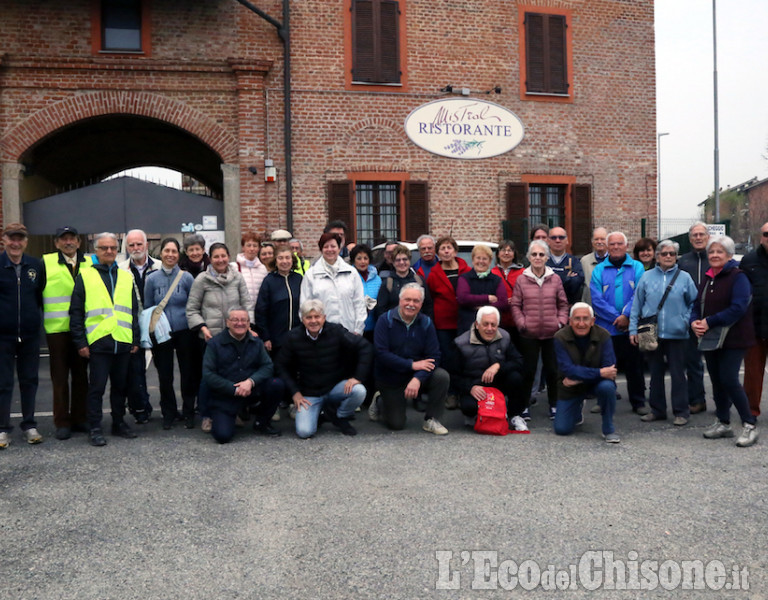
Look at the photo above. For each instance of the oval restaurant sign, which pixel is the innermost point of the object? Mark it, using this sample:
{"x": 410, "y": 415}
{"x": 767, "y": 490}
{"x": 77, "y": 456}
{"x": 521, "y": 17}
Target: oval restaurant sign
{"x": 464, "y": 128}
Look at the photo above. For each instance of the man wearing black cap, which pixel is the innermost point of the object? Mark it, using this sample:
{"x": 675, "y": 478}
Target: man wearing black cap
{"x": 61, "y": 269}
{"x": 21, "y": 297}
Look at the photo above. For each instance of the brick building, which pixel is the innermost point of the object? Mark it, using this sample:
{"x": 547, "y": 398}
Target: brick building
{"x": 91, "y": 87}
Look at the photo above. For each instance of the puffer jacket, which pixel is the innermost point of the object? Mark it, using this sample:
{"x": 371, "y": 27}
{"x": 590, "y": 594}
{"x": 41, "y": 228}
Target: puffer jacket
{"x": 341, "y": 294}
{"x": 371, "y": 288}
{"x": 674, "y": 318}
{"x": 212, "y": 296}
{"x": 539, "y": 310}
{"x": 254, "y": 276}
{"x": 478, "y": 355}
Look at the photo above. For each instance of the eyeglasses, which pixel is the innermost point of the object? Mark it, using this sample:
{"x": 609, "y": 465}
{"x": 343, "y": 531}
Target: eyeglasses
{"x": 239, "y": 321}
{"x": 537, "y": 254}
{"x": 403, "y": 259}
{"x": 108, "y": 248}
{"x": 765, "y": 233}
{"x": 557, "y": 237}
{"x": 669, "y": 253}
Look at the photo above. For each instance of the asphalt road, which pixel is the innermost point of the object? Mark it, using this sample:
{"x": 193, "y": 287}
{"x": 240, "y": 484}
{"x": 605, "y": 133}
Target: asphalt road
{"x": 174, "y": 515}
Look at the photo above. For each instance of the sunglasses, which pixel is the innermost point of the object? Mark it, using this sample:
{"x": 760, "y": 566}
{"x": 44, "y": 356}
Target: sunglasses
{"x": 765, "y": 233}
{"x": 537, "y": 254}
{"x": 556, "y": 237}
{"x": 669, "y": 253}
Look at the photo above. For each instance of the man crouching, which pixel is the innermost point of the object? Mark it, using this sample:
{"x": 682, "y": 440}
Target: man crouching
{"x": 238, "y": 372}
{"x": 587, "y": 365}
{"x": 315, "y": 362}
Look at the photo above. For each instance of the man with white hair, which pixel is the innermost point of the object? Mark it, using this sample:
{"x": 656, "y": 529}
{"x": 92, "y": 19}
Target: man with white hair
{"x": 103, "y": 318}
{"x": 140, "y": 265}
{"x": 323, "y": 365}
{"x": 696, "y": 264}
{"x": 490, "y": 359}
{"x": 587, "y": 365}
{"x": 428, "y": 259}
{"x": 408, "y": 363}
{"x": 590, "y": 261}
{"x": 613, "y": 287}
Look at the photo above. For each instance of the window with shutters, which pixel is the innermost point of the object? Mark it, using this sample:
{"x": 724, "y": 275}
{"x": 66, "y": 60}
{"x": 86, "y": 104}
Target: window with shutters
{"x": 376, "y": 43}
{"x": 121, "y": 26}
{"x": 378, "y": 207}
{"x": 546, "y": 55}
{"x": 377, "y": 211}
{"x": 557, "y": 201}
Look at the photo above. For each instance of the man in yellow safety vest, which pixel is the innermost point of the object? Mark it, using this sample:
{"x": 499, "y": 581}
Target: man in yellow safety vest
{"x": 61, "y": 269}
{"x": 105, "y": 330}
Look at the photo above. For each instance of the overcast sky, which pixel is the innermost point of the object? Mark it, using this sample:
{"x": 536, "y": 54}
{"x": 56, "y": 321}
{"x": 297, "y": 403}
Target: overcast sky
{"x": 684, "y": 67}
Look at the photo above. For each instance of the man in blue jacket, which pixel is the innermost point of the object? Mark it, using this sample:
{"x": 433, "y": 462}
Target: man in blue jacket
{"x": 21, "y": 300}
{"x": 239, "y": 372}
{"x": 408, "y": 363}
{"x": 613, "y": 288}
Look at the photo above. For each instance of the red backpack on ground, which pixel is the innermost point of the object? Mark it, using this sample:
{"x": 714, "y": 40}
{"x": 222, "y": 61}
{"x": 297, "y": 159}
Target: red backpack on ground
{"x": 492, "y": 413}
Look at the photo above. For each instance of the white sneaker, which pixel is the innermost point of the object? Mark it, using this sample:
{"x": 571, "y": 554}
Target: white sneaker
{"x": 206, "y": 425}
{"x": 33, "y": 436}
{"x": 434, "y": 426}
{"x": 4, "y": 439}
{"x": 276, "y": 416}
{"x": 373, "y": 409}
{"x": 518, "y": 424}
{"x": 748, "y": 436}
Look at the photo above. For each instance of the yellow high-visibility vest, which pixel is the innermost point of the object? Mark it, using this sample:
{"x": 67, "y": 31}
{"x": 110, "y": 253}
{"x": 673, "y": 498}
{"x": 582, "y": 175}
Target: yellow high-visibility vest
{"x": 103, "y": 316}
{"x": 57, "y": 294}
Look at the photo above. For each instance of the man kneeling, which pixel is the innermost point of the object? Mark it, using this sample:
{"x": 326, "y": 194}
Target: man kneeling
{"x": 490, "y": 359}
{"x": 587, "y": 365}
{"x": 238, "y": 372}
{"x": 408, "y": 363}
{"x": 315, "y": 362}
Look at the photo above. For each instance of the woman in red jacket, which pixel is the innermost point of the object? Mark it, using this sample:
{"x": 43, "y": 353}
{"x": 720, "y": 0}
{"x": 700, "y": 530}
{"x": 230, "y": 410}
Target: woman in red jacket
{"x": 540, "y": 309}
{"x": 442, "y": 282}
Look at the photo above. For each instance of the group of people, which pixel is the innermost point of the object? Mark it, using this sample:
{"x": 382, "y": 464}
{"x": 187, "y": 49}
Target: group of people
{"x": 270, "y": 329}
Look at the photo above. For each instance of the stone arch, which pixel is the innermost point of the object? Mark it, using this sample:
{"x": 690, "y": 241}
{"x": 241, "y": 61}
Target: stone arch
{"x": 94, "y": 104}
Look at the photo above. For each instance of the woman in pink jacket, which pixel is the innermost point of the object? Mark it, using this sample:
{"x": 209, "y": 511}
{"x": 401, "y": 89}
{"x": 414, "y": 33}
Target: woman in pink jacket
{"x": 540, "y": 309}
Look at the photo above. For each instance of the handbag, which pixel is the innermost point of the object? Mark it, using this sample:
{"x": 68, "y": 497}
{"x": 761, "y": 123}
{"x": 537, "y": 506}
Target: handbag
{"x": 714, "y": 337}
{"x": 648, "y": 327}
{"x": 153, "y": 319}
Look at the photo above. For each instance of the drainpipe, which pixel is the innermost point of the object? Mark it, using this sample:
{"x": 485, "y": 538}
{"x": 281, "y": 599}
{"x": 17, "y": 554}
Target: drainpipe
{"x": 283, "y": 32}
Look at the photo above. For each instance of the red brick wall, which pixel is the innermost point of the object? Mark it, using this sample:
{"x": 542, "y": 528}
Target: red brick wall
{"x": 50, "y": 77}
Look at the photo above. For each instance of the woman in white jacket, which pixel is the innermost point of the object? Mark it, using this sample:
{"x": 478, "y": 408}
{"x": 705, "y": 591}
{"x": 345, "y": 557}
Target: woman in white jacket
{"x": 251, "y": 268}
{"x": 337, "y": 285}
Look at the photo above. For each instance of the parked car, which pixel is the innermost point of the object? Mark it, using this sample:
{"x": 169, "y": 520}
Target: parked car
{"x": 465, "y": 250}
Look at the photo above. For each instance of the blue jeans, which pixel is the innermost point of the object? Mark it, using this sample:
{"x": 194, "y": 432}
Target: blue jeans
{"x": 723, "y": 366}
{"x": 569, "y": 411}
{"x": 306, "y": 418}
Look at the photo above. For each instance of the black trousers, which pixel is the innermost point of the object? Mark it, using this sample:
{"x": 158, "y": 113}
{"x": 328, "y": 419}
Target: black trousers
{"x": 510, "y": 384}
{"x": 115, "y": 368}
{"x": 182, "y": 343}
{"x": 530, "y": 349}
{"x": 265, "y": 399}
{"x": 629, "y": 360}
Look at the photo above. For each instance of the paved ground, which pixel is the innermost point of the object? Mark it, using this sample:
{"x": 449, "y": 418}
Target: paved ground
{"x": 173, "y": 515}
